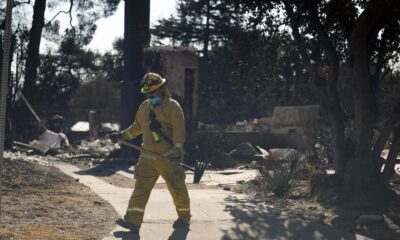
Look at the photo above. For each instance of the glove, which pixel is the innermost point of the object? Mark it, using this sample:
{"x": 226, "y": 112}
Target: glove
{"x": 175, "y": 154}
{"x": 115, "y": 136}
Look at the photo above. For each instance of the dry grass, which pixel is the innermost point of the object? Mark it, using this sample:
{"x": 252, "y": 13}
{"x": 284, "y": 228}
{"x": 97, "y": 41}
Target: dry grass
{"x": 40, "y": 202}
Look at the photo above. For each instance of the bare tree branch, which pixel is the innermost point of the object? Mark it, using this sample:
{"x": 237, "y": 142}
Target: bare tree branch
{"x": 16, "y": 4}
{"x": 69, "y": 11}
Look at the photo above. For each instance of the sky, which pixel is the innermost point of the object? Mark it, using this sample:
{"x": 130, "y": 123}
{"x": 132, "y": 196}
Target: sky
{"x": 108, "y": 29}
{"x": 103, "y": 39}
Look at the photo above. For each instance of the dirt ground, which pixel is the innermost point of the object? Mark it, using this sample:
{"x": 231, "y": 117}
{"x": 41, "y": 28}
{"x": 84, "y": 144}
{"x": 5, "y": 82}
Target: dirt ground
{"x": 298, "y": 202}
{"x": 39, "y": 202}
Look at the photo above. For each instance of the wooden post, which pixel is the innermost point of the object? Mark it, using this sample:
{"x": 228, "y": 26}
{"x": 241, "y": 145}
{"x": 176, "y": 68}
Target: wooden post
{"x": 92, "y": 125}
{"x": 136, "y": 38}
{"x": 4, "y": 84}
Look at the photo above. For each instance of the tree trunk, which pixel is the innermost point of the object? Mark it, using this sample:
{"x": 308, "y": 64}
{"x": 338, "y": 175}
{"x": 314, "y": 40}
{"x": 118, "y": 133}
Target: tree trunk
{"x": 329, "y": 88}
{"x": 363, "y": 179}
{"x": 206, "y": 40}
{"x": 136, "y": 38}
{"x": 335, "y": 112}
{"x": 32, "y": 60}
{"x": 1, "y": 52}
{"x": 335, "y": 116}
{"x": 8, "y": 124}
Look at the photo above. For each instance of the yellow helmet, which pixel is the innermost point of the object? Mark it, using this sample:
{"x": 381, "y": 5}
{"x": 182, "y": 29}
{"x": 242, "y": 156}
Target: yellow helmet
{"x": 151, "y": 82}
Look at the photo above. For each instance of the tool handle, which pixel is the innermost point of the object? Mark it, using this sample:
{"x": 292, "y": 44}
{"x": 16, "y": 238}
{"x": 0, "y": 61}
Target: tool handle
{"x": 19, "y": 93}
{"x": 154, "y": 155}
{"x": 128, "y": 144}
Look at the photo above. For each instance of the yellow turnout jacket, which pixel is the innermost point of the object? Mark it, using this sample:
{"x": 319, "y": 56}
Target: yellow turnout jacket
{"x": 169, "y": 114}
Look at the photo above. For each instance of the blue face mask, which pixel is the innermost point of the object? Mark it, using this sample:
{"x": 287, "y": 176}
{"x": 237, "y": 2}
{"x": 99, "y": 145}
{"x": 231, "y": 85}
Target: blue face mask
{"x": 155, "y": 101}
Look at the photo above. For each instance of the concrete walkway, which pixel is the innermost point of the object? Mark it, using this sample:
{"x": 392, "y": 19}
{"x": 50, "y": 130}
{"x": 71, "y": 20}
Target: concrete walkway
{"x": 217, "y": 214}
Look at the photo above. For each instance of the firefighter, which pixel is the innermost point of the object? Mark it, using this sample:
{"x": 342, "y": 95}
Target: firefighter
{"x": 161, "y": 122}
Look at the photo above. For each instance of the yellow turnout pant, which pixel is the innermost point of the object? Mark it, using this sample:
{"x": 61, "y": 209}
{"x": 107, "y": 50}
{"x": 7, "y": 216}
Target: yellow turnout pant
{"x": 146, "y": 173}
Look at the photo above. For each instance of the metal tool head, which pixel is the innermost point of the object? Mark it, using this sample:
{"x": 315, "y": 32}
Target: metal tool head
{"x": 199, "y": 169}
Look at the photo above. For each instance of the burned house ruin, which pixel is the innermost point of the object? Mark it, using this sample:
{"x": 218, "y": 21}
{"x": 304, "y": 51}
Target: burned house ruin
{"x": 180, "y": 66}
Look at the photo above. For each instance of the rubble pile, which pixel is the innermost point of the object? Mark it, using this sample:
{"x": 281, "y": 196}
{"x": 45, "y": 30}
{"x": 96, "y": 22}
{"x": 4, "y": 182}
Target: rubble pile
{"x": 19, "y": 155}
{"x": 98, "y": 146}
{"x": 53, "y": 143}
{"x": 49, "y": 148}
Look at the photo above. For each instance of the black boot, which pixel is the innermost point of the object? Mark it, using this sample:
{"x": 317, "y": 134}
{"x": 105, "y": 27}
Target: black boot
{"x": 181, "y": 223}
{"x": 125, "y": 224}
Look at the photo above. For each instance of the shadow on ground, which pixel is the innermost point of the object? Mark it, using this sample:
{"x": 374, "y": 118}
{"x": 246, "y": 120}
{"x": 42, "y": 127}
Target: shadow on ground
{"x": 107, "y": 168}
{"x": 177, "y": 234}
{"x": 387, "y": 229}
{"x": 126, "y": 235}
{"x": 254, "y": 220}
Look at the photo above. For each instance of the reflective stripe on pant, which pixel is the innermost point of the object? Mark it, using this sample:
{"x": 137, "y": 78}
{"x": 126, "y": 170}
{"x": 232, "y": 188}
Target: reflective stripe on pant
{"x": 146, "y": 176}
{"x": 174, "y": 176}
{"x": 146, "y": 173}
